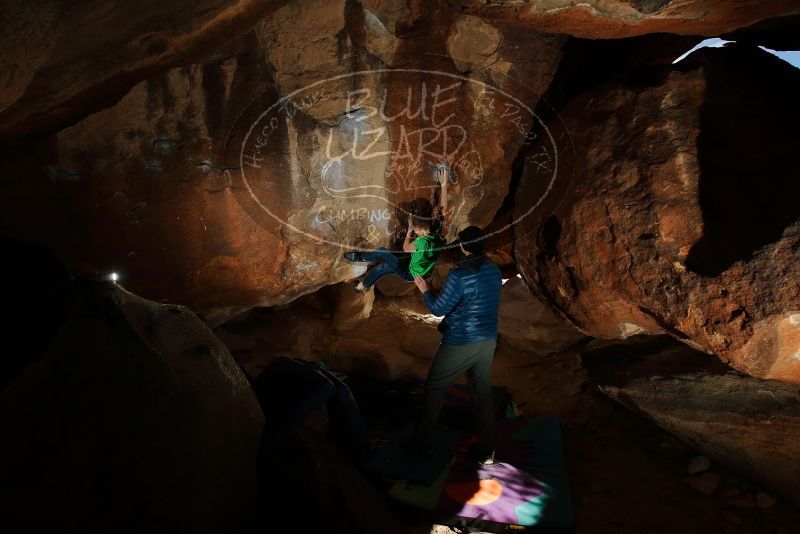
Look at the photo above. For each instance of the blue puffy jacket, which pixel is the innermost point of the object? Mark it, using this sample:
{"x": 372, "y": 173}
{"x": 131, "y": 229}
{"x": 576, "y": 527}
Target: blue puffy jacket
{"x": 468, "y": 301}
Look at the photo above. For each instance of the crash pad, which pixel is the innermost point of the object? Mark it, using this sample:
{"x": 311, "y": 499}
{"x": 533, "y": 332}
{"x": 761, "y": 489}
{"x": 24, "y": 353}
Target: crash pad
{"x": 394, "y": 462}
{"x": 422, "y": 496}
{"x": 527, "y": 487}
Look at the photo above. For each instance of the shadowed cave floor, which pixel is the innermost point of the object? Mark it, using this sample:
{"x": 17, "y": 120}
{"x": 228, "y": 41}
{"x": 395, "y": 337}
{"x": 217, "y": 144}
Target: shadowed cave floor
{"x": 627, "y": 475}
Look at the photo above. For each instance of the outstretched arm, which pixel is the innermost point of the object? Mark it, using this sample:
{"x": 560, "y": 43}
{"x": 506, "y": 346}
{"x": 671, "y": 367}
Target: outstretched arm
{"x": 444, "y": 180}
{"x": 438, "y": 225}
{"x": 408, "y": 243}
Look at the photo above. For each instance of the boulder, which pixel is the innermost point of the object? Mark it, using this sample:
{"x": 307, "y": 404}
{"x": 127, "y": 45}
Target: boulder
{"x": 750, "y": 425}
{"x": 378, "y": 360}
{"x": 780, "y": 33}
{"x": 604, "y": 19}
{"x": 473, "y": 43}
{"x": 237, "y": 180}
{"x": 350, "y": 307}
{"x": 66, "y": 60}
{"x": 136, "y": 418}
{"x": 63, "y": 61}
{"x": 528, "y": 324}
{"x": 706, "y": 483}
{"x": 222, "y": 156}
{"x": 673, "y": 209}
{"x": 38, "y": 297}
{"x": 394, "y": 286}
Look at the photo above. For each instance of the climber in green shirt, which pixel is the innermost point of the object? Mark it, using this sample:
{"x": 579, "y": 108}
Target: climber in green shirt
{"x": 424, "y": 248}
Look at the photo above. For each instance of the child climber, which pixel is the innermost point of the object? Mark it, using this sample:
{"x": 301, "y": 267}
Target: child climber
{"x": 424, "y": 248}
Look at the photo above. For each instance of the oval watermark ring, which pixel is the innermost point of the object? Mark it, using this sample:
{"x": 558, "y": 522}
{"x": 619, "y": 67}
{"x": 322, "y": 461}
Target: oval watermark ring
{"x": 397, "y": 147}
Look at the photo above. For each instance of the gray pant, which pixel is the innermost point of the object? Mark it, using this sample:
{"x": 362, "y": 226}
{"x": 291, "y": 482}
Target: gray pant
{"x": 450, "y": 362}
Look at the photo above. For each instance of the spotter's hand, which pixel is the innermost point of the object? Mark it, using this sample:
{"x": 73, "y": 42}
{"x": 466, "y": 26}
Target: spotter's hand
{"x": 421, "y": 284}
{"x": 441, "y": 176}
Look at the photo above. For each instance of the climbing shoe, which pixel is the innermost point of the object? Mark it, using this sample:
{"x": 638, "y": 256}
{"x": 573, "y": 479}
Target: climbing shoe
{"x": 354, "y": 256}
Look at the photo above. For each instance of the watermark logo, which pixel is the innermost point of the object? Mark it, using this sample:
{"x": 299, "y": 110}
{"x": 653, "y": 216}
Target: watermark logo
{"x": 348, "y": 159}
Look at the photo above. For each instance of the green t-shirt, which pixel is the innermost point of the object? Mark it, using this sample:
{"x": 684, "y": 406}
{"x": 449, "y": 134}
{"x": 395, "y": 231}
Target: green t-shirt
{"x": 423, "y": 260}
